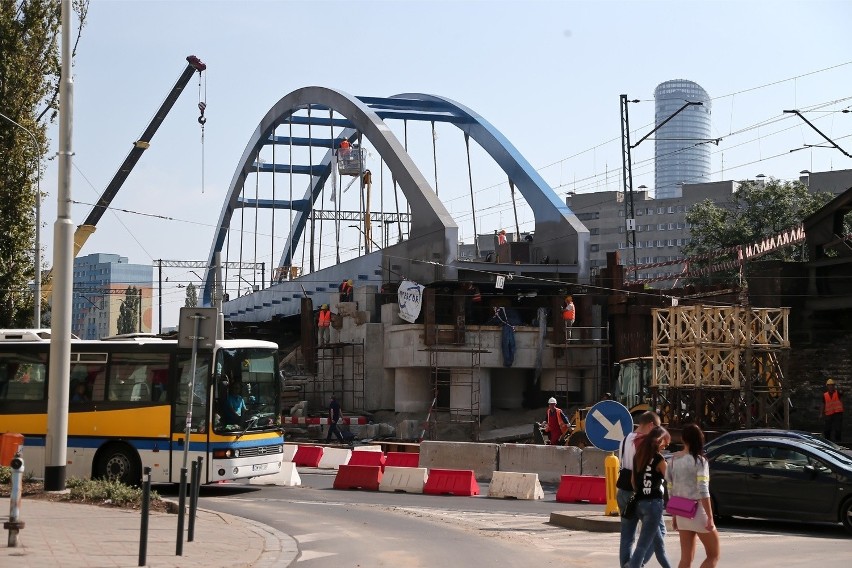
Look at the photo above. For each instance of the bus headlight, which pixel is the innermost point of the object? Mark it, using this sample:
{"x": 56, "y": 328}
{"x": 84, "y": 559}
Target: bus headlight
{"x": 223, "y": 454}
{"x": 236, "y": 453}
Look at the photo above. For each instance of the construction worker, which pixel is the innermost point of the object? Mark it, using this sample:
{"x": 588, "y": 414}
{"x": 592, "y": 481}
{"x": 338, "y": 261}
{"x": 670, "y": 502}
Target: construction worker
{"x": 556, "y": 423}
{"x": 832, "y": 411}
{"x": 324, "y": 324}
{"x": 344, "y": 144}
{"x": 345, "y": 289}
{"x": 501, "y": 237}
{"x": 568, "y": 315}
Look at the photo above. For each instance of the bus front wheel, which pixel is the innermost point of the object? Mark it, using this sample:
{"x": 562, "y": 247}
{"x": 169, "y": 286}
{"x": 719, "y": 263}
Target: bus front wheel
{"x": 120, "y": 463}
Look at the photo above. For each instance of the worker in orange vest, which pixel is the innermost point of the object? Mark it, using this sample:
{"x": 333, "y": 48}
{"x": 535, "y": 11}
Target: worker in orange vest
{"x": 568, "y": 315}
{"x": 323, "y": 324}
{"x": 556, "y": 423}
{"x": 832, "y": 411}
{"x": 345, "y": 290}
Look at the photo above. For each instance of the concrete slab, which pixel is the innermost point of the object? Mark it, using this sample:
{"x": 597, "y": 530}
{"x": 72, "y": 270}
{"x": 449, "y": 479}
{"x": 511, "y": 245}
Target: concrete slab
{"x": 481, "y": 458}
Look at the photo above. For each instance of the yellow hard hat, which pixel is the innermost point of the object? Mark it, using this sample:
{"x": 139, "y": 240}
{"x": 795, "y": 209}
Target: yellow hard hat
{"x": 324, "y": 307}
{"x": 829, "y": 382}
{"x": 349, "y": 282}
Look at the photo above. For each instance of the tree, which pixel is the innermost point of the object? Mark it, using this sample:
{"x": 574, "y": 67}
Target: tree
{"x": 754, "y": 212}
{"x": 29, "y": 91}
{"x": 129, "y": 312}
{"x": 191, "y": 296}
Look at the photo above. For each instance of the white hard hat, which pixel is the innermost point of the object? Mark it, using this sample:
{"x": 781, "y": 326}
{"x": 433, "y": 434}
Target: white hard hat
{"x": 551, "y": 400}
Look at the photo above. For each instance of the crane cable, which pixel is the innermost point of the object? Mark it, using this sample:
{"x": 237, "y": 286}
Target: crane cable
{"x": 202, "y": 106}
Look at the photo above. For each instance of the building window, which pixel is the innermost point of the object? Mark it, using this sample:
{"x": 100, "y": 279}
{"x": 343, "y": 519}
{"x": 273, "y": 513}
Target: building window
{"x": 594, "y": 248}
{"x": 594, "y": 231}
{"x": 661, "y": 210}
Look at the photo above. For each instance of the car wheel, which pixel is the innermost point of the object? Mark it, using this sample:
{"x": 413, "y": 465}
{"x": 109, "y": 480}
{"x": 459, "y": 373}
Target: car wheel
{"x": 119, "y": 463}
{"x": 717, "y": 516}
{"x": 846, "y": 515}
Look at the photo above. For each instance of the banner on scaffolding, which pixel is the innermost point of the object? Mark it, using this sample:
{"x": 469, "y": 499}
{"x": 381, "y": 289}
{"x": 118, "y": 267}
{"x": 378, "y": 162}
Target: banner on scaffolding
{"x": 410, "y": 298}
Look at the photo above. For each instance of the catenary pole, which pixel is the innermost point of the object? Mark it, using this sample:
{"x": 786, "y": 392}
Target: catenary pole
{"x": 56, "y": 444}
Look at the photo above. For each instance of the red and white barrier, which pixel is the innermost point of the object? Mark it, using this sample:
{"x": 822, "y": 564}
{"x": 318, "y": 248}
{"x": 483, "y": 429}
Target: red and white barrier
{"x": 351, "y": 420}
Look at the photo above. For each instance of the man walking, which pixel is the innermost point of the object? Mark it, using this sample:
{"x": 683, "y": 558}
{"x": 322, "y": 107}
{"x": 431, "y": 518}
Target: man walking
{"x": 645, "y": 423}
{"x": 333, "y": 419}
{"x": 832, "y": 411}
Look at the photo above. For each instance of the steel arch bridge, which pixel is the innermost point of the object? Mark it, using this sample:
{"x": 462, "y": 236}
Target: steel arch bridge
{"x": 430, "y": 251}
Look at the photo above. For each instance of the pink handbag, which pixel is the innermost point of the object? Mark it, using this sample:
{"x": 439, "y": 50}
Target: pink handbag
{"x": 682, "y": 507}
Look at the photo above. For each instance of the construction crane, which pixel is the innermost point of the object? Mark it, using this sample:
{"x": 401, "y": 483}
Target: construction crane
{"x": 88, "y": 227}
{"x": 84, "y": 231}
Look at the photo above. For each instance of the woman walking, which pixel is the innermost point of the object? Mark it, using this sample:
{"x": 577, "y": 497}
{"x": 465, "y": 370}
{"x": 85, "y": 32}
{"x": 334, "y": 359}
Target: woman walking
{"x": 689, "y": 477}
{"x": 649, "y": 470}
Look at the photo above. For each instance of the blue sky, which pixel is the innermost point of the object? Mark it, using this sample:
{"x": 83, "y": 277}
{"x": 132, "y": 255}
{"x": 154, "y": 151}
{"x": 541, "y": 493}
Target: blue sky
{"x": 548, "y": 75}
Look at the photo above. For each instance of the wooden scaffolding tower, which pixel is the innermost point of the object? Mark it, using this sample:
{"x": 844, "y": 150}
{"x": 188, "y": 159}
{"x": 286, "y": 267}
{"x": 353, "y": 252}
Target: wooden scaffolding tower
{"x": 721, "y": 367}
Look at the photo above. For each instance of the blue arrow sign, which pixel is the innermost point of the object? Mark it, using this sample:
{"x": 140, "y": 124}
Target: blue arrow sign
{"x": 607, "y": 423}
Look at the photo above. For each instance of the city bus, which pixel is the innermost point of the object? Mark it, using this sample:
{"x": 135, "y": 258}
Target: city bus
{"x": 128, "y": 404}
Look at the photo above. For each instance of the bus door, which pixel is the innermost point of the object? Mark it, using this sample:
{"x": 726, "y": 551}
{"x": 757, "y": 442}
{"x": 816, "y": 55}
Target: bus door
{"x": 200, "y": 427}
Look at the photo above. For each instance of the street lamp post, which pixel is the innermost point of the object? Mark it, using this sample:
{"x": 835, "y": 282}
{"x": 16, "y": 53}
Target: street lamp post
{"x": 37, "y": 252}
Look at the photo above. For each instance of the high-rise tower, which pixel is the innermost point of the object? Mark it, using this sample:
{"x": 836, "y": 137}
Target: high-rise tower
{"x": 679, "y": 155}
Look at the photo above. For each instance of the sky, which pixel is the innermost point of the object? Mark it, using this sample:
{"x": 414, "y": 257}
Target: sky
{"x": 547, "y": 75}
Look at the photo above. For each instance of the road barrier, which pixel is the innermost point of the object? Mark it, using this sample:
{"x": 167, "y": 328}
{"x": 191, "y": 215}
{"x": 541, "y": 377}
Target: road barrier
{"x": 358, "y": 477}
{"x": 403, "y": 479}
{"x": 593, "y": 461}
{"x": 332, "y": 458}
{"x": 402, "y": 459}
{"x": 368, "y": 458}
{"x": 481, "y": 458}
{"x": 459, "y": 482}
{"x": 290, "y": 451}
{"x": 509, "y": 484}
{"x": 288, "y": 477}
{"x": 549, "y": 462}
{"x": 577, "y": 488}
{"x": 308, "y": 456}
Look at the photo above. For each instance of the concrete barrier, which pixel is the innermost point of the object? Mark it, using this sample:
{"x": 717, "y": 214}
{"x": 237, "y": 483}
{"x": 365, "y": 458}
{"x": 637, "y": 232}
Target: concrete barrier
{"x": 290, "y": 451}
{"x": 288, "y": 477}
{"x": 509, "y": 484}
{"x": 481, "y": 458}
{"x": 332, "y": 458}
{"x": 368, "y": 448}
{"x": 403, "y": 479}
{"x": 549, "y": 462}
{"x": 593, "y": 462}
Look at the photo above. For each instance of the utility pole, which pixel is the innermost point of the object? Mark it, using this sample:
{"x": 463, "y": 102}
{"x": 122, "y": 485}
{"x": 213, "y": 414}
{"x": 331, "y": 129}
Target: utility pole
{"x": 626, "y": 161}
{"x": 56, "y": 444}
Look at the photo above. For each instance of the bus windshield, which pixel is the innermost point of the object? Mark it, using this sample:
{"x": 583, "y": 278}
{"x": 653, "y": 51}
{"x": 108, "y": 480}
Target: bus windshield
{"x": 247, "y": 390}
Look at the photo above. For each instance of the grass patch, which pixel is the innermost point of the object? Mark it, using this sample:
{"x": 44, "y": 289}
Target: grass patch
{"x": 107, "y": 492}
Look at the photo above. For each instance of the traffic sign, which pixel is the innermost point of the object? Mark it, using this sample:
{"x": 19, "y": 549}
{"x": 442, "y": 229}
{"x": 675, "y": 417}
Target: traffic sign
{"x": 607, "y": 423}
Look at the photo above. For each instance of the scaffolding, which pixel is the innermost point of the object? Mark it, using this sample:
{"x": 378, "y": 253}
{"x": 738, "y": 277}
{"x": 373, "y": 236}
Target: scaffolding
{"x": 339, "y": 372}
{"x": 572, "y": 356}
{"x": 721, "y": 367}
{"x": 455, "y": 375}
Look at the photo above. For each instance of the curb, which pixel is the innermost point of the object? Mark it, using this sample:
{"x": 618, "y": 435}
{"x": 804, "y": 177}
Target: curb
{"x": 597, "y": 522}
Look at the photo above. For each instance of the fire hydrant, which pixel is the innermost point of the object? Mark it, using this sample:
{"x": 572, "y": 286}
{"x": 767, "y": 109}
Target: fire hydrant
{"x": 14, "y": 524}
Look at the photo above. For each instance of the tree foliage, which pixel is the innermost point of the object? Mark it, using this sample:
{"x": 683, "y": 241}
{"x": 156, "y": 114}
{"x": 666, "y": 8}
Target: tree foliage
{"x": 191, "y": 296}
{"x": 129, "y": 312}
{"x": 754, "y": 212}
{"x": 29, "y": 85}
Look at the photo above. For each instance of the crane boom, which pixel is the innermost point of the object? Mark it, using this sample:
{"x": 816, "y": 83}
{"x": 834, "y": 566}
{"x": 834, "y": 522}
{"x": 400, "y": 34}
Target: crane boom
{"x": 88, "y": 227}
{"x": 84, "y": 231}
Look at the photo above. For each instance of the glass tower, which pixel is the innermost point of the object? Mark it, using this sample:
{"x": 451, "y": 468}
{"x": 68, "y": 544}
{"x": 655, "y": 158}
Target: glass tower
{"x": 681, "y": 152}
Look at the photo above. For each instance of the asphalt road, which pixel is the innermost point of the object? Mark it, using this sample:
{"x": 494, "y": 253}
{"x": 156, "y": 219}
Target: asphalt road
{"x": 375, "y": 529}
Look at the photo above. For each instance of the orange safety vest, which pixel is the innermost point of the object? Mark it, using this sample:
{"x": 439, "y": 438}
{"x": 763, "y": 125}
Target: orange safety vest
{"x": 324, "y": 318}
{"x": 563, "y": 426}
{"x": 832, "y": 403}
{"x": 568, "y": 312}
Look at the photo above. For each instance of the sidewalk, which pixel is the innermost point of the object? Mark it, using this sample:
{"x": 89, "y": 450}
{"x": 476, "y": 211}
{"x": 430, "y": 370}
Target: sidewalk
{"x": 68, "y": 534}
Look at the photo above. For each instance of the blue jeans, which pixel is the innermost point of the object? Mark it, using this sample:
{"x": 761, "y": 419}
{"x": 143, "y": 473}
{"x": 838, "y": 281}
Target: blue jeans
{"x": 508, "y": 345}
{"x": 650, "y": 512}
{"x": 628, "y": 530}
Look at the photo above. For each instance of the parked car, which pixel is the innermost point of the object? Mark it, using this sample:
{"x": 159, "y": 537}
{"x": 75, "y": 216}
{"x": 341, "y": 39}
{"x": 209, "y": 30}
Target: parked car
{"x": 781, "y": 478}
{"x": 814, "y": 439}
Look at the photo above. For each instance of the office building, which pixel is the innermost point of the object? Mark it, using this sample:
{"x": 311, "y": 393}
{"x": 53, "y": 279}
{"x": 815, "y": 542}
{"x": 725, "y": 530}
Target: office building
{"x": 681, "y": 146}
{"x": 100, "y": 284}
